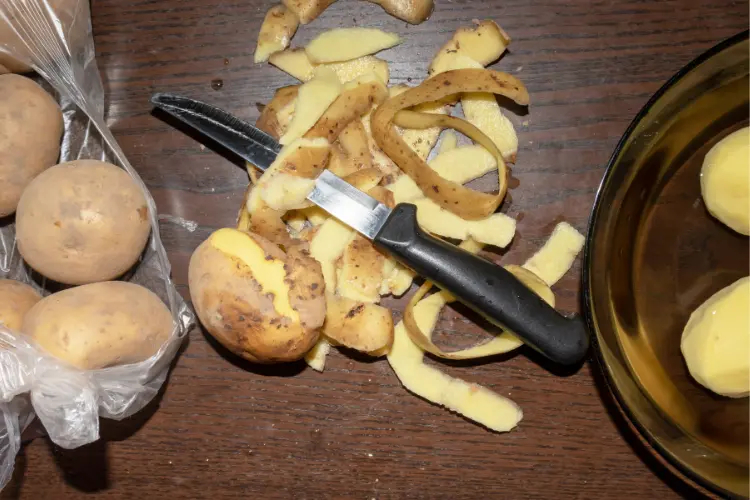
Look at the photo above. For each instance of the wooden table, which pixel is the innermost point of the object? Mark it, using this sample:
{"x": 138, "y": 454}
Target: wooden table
{"x": 223, "y": 428}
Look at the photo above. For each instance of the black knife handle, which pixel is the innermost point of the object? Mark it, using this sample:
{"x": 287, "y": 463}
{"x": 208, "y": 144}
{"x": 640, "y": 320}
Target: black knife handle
{"x": 485, "y": 287}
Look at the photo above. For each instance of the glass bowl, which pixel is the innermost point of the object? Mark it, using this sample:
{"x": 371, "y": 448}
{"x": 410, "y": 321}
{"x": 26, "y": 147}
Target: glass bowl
{"x": 654, "y": 254}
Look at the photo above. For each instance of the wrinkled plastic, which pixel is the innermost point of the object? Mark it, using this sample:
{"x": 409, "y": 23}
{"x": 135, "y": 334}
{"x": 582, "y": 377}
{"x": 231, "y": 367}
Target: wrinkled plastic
{"x": 54, "y": 38}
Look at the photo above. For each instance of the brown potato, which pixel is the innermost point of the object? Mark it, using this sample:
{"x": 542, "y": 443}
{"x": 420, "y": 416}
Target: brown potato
{"x": 16, "y": 299}
{"x": 82, "y": 221}
{"x": 31, "y": 126}
{"x": 259, "y": 302}
{"x": 101, "y": 324}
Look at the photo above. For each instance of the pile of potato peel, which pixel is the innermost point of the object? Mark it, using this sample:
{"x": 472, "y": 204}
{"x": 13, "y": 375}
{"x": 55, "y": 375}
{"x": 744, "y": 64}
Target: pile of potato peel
{"x": 261, "y": 303}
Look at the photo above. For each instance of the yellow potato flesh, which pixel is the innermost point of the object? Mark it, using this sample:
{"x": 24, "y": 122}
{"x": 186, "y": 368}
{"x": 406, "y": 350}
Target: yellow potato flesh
{"x": 482, "y": 110}
{"x": 449, "y": 142}
{"x": 269, "y": 273}
{"x": 351, "y": 70}
{"x": 297, "y": 64}
{"x": 473, "y": 401}
{"x": 345, "y": 44}
{"x": 313, "y": 98}
{"x": 716, "y": 341}
{"x": 316, "y": 357}
{"x": 327, "y": 246}
{"x": 497, "y": 229}
{"x": 725, "y": 180}
{"x": 556, "y": 257}
{"x": 459, "y": 165}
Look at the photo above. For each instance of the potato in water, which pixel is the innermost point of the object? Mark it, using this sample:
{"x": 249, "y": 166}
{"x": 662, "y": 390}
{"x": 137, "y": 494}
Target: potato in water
{"x": 16, "y": 299}
{"x": 260, "y": 302}
{"x": 725, "y": 180}
{"x": 82, "y": 221}
{"x": 716, "y": 341}
{"x": 31, "y": 126}
{"x": 99, "y": 325}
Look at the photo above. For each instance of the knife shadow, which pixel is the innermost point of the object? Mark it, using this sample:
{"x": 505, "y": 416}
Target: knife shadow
{"x": 211, "y": 144}
{"x": 528, "y": 352}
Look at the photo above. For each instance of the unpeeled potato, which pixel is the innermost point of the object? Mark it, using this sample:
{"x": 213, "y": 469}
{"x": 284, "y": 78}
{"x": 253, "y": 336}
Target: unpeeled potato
{"x": 16, "y": 299}
{"x": 100, "y": 324}
{"x": 260, "y": 302}
{"x": 31, "y": 126}
{"x": 82, "y": 221}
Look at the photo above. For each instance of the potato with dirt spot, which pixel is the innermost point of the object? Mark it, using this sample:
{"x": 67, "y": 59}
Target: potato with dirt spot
{"x": 82, "y": 221}
{"x": 16, "y": 299}
{"x": 31, "y": 126}
{"x": 261, "y": 303}
{"x": 100, "y": 324}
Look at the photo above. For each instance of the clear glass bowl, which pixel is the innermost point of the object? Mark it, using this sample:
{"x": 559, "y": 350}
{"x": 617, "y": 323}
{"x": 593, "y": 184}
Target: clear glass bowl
{"x": 654, "y": 254}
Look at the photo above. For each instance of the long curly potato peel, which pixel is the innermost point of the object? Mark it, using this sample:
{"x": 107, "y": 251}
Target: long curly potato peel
{"x": 466, "y": 203}
{"x": 473, "y": 401}
{"x": 505, "y": 342}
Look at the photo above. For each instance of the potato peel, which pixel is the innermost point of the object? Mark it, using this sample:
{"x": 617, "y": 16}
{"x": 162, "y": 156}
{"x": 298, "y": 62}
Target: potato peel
{"x": 556, "y": 257}
{"x": 500, "y": 344}
{"x": 464, "y": 202}
{"x": 355, "y": 99}
{"x": 277, "y": 30}
{"x": 316, "y": 357}
{"x": 473, "y": 401}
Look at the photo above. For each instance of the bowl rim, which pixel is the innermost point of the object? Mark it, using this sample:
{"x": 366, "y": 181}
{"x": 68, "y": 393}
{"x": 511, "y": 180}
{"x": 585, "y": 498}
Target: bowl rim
{"x": 587, "y": 256}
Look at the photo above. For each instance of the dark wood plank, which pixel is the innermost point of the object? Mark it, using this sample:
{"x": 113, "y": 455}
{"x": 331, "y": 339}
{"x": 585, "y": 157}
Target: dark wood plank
{"x": 222, "y": 428}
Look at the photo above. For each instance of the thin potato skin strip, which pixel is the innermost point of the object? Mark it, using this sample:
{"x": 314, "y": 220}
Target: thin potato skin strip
{"x": 464, "y": 202}
{"x": 501, "y": 344}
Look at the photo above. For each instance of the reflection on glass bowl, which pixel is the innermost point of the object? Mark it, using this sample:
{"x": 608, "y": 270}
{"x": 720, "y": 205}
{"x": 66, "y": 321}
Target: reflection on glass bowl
{"x": 654, "y": 254}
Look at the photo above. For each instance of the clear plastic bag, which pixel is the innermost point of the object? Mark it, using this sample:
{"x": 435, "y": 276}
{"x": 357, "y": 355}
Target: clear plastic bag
{"x": 54, "y": 38}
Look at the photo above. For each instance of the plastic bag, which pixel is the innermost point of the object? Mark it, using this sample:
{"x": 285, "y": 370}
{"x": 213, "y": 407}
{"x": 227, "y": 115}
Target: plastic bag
{"x": 54, "y": 38}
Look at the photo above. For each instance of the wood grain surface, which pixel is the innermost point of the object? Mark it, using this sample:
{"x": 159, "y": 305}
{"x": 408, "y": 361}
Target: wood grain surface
{"x": 223, "y": 428}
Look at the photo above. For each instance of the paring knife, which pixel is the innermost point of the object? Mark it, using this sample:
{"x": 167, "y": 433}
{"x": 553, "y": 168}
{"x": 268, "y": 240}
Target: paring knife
{"x": 483, "y": 286}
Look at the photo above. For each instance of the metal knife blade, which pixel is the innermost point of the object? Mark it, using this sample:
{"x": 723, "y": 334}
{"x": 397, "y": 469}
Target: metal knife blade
{"x": 351, "y": 206}
{"x": 250, "y": 143}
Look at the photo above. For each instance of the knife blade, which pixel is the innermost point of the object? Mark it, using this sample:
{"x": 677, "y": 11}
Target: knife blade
{"x": 480, "y": 284}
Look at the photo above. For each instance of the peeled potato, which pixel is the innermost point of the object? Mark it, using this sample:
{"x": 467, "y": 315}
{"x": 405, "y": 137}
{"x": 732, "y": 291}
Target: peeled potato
{"x": 16, "y": 299}
{"x": 82, "y": 221}
{"x": 100, "y": 324}
{"x": 725, "y": 180}
{"x": 716, "y": 341}
{"x": 260, "y": 302}
{"x": 31, "y": 126}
